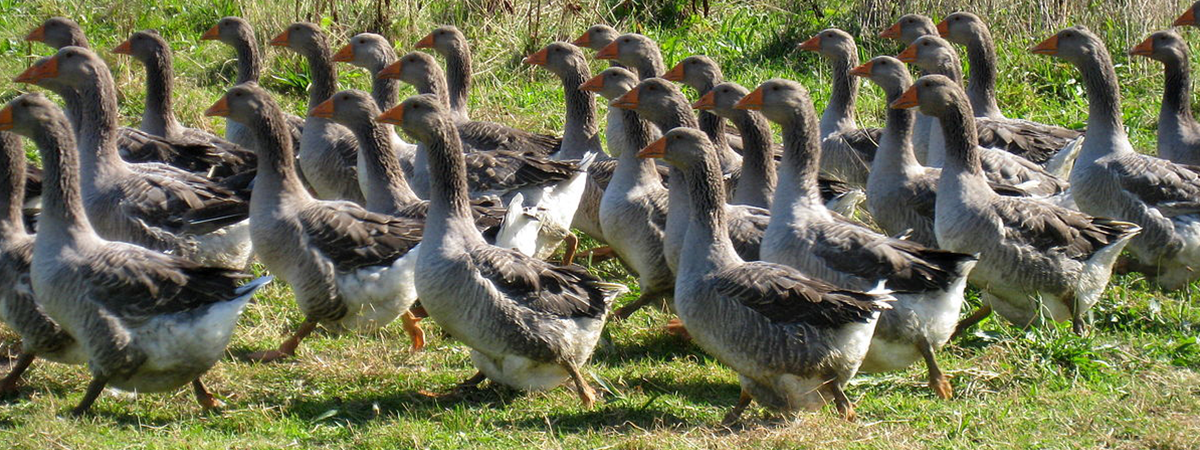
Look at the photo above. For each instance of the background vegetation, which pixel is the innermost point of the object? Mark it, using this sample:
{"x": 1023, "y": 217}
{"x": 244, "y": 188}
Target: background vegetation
{"x": 1132, "y": 383}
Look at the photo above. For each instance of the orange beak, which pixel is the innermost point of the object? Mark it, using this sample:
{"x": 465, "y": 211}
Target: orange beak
{"x": 656, "y": 149}
{"x": 907, "y": 100}
{"x": 595, "y": 84}
{"x": 706, "y": 103}
{"x": 752, "y": 101}
{"x": 943, "y": 28}
{"x": 627, "y": 101}
{"x": 345, "y": 54}
{"x": 323, "y": 110}
{"x": 1047, "y": 47}
{"x": 282, "y": 39}
{"x": 1146, "y": 48}
{"x": 584, "y": 41}
{"x": 394, "y": 116}
{"x": 39, "y": 34}
{"x": 426, "y": 42}
{"x": 863, "y": 70}
{"x": 392, "y": 71}
{"x": 6, "y": 118}
{"x": 126, "y": 48}
{"x": 812, "y": 44}
{"x": 892, "y": 32}
{"x": 675, "y": 74}
{"x": 909, "y": 55}
{"x": 212, "y": 34}
{"x": 1188, "y": 18}
{"x": 608, "y": 52}
{"x": 539, "y": 58}
{"x": 218, "y": 109}
{"x": 47, "y": 69}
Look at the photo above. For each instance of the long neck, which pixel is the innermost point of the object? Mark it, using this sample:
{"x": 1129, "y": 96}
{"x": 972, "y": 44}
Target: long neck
{"x": 675, "y": 116}
{"x": 948, "y": 67}
{"x": 801, "y": 163}
{"x": 458, "y": 75}
{"x": 707, "y": 245}
{"x": 98, "y": 127}
{"x": 649, "y": 66}
{"x": 448, "y": 199}
{"x": 581, "y": 129}
{"x": 434, "y": 83}
{"x": 159, "y": 117}
{"x": 62, "y": 202}
{"x": 962, "y": 142}
{"x": 896, "y": 147}
{"x": 839, "y": 114}
{"x": 12, "y": 172}
{"x": 249, "y": 64}
{"x": 1177, "y": 91}
{"x": 981, "y": 55}
{"x": 632, "y": 170}
{"x": 387, "y": 190}
{"x": 758, "y": 181}
{"x": 1105, "y": 126}
{"x": 385, "y": 91}
{"x": 324, "y": 74}
{"x": 276, "y": 161}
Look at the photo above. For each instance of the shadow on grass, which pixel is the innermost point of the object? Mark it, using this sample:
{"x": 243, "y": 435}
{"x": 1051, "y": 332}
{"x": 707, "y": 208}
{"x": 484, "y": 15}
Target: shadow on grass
{"x": 659, "y": 346}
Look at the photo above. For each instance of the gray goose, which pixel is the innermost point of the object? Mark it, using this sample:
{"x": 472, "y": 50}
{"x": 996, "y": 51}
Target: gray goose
{"x": 530, "y": 325}
{"x": 907, "y": 30}
{"x": 149, "y": 204}
{"x": 1114, "y": 180}
{"x": 1188, "y": 17}
{"x": 237, "y": 33}
{"x": 158, "y": 117}
{"x": 793, "y": 340}
{"x": 936, "y": 56}
{"x": 702, "y": 74}
{"x": 1054, "y": 148}
{"x": 597, "y": 37}
{"x": 927, "y": 283}
{"x": 846, "y": 149}
{"x": 328, "y": 153}
{"x": 374, "y": 53}
{"x": 1037, "y": 260}
{"x": 449, "y": 42}
{"x": 134, "y": 145}
{"x": 147, "y": 321}
{"x": 633, "y": 211}
{"x": 1178, "y": 131}
{"x": 350, "y": 269}
{"x": 40, "y": 336}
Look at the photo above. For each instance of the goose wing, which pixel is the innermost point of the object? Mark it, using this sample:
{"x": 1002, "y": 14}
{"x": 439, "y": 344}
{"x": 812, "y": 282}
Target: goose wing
{"x": 1173, "y": 189}
{"x": 563, "y": 291}
{"x": 784, "y": 296}
{"x": 487, "y": 136}
{"x": 1047, "y": 228}
{"x": 1030, "y": 140}
{"x": 353, "y": 237}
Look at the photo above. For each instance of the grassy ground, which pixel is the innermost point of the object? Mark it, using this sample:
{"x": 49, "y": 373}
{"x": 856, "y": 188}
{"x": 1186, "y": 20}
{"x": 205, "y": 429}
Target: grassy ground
{"x": 1131, "y": 384}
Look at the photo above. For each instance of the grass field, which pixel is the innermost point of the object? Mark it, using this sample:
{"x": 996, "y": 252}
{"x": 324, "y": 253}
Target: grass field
{"x": 1132, "y": 383}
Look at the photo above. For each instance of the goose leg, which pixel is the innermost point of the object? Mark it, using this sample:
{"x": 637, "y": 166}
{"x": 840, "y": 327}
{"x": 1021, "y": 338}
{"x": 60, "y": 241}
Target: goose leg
{"x": 598, "y": 254}
{"x": 205, "y": 398}
{"x": 572, "y": 246}
{"x": 288, "y": 348}
{"x": 937, "y": 380}
{"x": 94, "y": 389}
{"x": 586, "y": 393}
{"x": 982, "y": 313}
{"x": 412, "y": 326}
{"x": 734, "y": 414}
{"x": 646, "y": 298}
{"x": 675, "y": 326}
{"x": 842, "y": 402}
{"x": 9, "y": 385}
{"x": 459, "y": 389}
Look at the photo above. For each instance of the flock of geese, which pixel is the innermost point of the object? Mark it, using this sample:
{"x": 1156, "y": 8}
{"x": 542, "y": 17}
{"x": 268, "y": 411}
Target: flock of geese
{"x": 143, "y": 235}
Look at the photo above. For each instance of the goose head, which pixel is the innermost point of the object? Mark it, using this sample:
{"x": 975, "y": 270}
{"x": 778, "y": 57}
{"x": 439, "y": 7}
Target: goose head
{"x": 780, "y": 100}
{"x": 58, "y": 32}
{"x": 909, "y": 28}
{"x": 681, "y": 147}
{"x": 302, "y": 37}
{"x": 1188, "y": 17}
{"x": 230, "y": 31}
{"x": 71, "y": 67}
{"x": 1076, "y": 45}
{"x": 348, "y": 108}
{"x": 420, "y": 116}
{"x": 930, "y": 53}
{"x": 148, "y": 47}
{"x": 935, "y": 95}
{"x": 697, "y": 71}
{"x": 367, "y": 50}
{"x": 961, "y": 27}
{"x": 722, "y": 99}
{"x": 415, "y": 68}
{"x": 832, "y": 43}
{"x": 244, "y": 103}
{"x": 559, "y": 58}
{"x": 611, "y": 83}
{"x": 887, "y": 72}
{"x": 28, "y": 113}
{"x": 444, "y": 40}
{"x": 1162, "y": 46}
{"x": 597, "y": 37}
{"x": 655, "y": 99}
{"x": 629, "y": 49}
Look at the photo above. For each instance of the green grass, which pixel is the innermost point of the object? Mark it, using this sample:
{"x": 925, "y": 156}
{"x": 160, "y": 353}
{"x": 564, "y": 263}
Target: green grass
{"x": 1131, "y": 384}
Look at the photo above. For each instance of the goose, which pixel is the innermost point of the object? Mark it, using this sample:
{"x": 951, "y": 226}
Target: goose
{"x": 846, "y": 149}
{"x": 449, "y": 42}
{"x": 637, "y": 53}
{"x": 597, "y": 37}
{"x": 1054, "y": 148}
{"x": 1037, "y": 260}
{"x": 158, "y": 118}
{"x": 936, "y": 56}
{"x": 350, "y": 269}
{"x": 146, "y": 321}
{"x": 149, "y": 204}
{"x": 1188, "y": 17}
{"x": 41, "y": 337}
{"x": 134, "y": 145}
{"x": 1178, "y": 131}
{"x": 1115, "y": 181}
{"x": 328, "y": 152}
{"x": 927, "y": 283}
{"x": 530, "y": 325}
{"x": 237, "y": 33}
{"x": 633, "y": 211}
{"x": 374, "y": 53}
{"x": 793, "y": 340}
{"x": 702, "y": 73}
{"x": 756, "y": 186}
{"x": 663, "y": 104}
{"x": 906, "y": 30}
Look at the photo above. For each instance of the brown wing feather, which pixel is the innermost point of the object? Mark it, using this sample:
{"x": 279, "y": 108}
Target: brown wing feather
{"x": 784, "y": 296}
{"x": 353, "y": 237}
